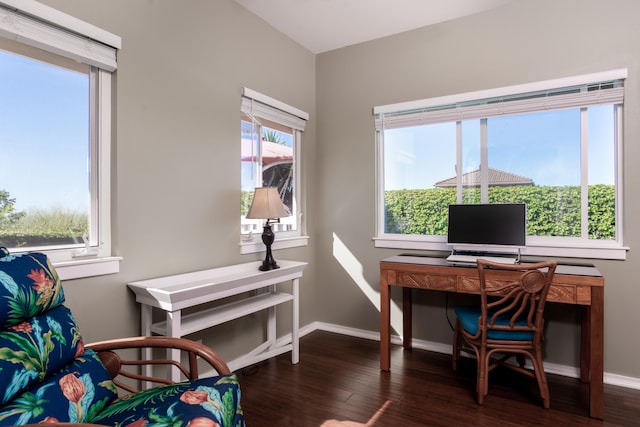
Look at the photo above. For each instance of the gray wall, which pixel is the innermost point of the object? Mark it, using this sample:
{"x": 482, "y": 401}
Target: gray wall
{"x": 526, "y": 41}
{"x": 176, "y": 157}
{"x": 176, "y": 177}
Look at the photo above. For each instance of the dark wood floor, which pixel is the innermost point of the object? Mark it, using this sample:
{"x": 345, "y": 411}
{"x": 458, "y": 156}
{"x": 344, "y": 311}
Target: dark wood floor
{"x": 338, "y": 382}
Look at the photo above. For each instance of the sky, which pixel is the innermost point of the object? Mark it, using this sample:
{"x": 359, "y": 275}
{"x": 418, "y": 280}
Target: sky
{"x": 536, "y": 146}
{"x": 44, "y": 131}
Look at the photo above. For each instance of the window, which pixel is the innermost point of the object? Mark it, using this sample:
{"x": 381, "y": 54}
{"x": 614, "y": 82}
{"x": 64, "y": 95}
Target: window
{"x": 270, "y": 140}
{"x": 55, "y": 139}
{"x": 553, "y": 145}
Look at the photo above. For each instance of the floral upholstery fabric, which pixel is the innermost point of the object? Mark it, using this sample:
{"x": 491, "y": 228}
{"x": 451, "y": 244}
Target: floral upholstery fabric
{"x": 29, "y": 286}
{"x": 46, "y": 374}
{"x": 74, "y": 394}
{"x": 205, "y": 402}
{"x": 35, "y": 349}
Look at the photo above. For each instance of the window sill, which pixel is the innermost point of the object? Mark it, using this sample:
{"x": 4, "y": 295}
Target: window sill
{"x": 87, "y": 267}
{"x": 601, "y": 251}
{"x": 255, "y": 246}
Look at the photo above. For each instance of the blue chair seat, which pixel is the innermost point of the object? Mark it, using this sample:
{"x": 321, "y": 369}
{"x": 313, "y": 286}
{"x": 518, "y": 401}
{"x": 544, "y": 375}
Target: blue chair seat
{"x": 469, "y": 316}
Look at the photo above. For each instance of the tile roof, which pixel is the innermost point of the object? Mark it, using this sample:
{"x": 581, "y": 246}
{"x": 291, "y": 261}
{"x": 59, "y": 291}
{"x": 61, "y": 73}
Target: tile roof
{"x": 496, "y": 178}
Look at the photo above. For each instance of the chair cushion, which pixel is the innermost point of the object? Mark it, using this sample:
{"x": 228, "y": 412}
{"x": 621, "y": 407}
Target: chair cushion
{"x": 29, "y": 285}
{"x": 36, "y": 349}
{"x": 74, "y": 394}
{"x": 209, "y": 401}
{"x": 469, "y": 315}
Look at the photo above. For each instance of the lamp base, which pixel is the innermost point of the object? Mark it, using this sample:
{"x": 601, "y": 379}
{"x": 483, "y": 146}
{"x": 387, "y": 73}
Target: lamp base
{"x": 267, "y": 238}
{"x": 268, "y": 265}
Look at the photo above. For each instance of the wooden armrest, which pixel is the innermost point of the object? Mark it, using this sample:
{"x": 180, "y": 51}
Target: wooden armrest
{"x": 116, "y": 366}
{"x": 62, "y": 425}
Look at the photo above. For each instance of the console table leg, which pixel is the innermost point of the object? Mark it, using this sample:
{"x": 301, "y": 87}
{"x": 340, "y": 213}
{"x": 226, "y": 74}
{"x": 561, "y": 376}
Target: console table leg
{"x": 295, "y": 322}
{"x": 174, "y": 329}
{"x": 146, "y": 319}
{"x": 271, "y": 322}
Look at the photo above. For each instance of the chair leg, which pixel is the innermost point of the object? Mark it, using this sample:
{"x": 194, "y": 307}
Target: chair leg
{"x": 482, "y": 385}
{"x": 521, "y": 359}
{"x": 541, "y": 377}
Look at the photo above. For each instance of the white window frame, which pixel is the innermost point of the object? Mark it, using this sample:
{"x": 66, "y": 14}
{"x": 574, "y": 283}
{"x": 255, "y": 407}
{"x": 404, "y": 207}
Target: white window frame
{"x": 538, "y": 246}
{"x": 38, "y": 25}
{"x": 286, "y": 115}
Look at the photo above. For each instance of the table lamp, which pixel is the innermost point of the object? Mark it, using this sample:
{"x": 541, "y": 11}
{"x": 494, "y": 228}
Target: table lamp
{"x": 267, "y": 205}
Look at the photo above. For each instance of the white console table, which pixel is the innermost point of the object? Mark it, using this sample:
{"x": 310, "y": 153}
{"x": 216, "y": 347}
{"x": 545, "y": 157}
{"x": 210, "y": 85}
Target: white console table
{"x": 175, "y": 293}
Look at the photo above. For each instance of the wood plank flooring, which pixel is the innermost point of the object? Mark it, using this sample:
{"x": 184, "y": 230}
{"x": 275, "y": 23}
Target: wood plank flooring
{"x": 338, "y": 382}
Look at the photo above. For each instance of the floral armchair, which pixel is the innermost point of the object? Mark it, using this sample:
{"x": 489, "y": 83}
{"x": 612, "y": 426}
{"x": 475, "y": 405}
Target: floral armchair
{"x": 47, "y": 374}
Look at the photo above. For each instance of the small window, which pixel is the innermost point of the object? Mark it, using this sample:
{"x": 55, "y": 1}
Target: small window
{"x": 271, "y": 134}
{"x": 554, "y": 149}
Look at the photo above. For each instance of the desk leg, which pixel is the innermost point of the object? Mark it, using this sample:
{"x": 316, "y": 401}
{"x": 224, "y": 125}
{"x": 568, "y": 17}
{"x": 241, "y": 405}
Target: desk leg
{"x": 295, "y": 322}
{"x": 174, "y": 329}
{"x": 385, "y": 320}
{"x": 595, "y": 318}
{"x": 585, "y": 345}
{"x": 407, "y": 319}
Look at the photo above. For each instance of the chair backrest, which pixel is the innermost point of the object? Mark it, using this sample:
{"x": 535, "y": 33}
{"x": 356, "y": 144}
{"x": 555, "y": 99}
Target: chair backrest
{"x": 512, "y": 308}
{"x": 46, "y": 373}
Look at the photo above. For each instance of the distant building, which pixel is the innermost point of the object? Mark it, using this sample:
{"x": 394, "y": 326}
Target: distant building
{"x": 496, "y": 178}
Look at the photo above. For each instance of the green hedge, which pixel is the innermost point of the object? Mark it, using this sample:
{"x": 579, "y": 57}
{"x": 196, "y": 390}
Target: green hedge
{"x": 551, "y": 210}
{"x": 246, "y": 197}
{"x": 50, "y": 227}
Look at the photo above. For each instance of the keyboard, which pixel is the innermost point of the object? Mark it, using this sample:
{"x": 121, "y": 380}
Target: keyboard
{"x": 471, "y": 259}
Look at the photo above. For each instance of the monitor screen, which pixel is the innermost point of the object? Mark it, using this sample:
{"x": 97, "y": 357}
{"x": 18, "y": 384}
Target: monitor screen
{"x": 487, "y": 224}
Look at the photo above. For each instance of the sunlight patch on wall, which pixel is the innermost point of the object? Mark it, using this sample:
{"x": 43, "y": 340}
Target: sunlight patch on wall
{"x": 354, "y": 269}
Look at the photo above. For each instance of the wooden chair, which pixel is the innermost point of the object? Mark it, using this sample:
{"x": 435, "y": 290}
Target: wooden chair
{"x": 48, "y": 374}
{"x": 509, "y": 322}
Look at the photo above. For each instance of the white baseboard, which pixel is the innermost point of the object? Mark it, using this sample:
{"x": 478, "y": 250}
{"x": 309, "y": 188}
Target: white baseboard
{"x": 552, "y": 368}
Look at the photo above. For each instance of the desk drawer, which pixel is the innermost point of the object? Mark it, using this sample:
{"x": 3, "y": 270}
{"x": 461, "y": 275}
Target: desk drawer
{"x": 427, "y": 281}
{"x": 471, "y": 285}
{"x": 567, "y": 294}
{"x": 557, "y": 293}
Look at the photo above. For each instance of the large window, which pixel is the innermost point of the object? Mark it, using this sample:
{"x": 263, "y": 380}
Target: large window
{"x": 55, "y": 112}
{"x": 271, "y": 134}
{"x": 552, "y": 145}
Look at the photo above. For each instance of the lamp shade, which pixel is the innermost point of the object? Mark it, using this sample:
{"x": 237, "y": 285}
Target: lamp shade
{"x": 267, "y": 204}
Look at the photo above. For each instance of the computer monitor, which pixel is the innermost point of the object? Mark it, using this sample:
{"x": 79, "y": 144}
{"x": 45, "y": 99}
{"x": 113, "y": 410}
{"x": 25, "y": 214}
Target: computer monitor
{"x": 487, "y": 225}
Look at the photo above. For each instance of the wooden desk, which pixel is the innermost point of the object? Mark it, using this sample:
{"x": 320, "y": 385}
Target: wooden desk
{"x": 578, "y": 285}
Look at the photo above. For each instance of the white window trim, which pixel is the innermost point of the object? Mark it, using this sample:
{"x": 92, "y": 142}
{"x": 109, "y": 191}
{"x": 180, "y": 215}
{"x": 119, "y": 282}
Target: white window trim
{"x": 536, "y": 246}
{"x": 256, "y": 245}
{"x": 35, "y": 24}
{"x": 41, "y": 26}
{"x": 618, "y": 74}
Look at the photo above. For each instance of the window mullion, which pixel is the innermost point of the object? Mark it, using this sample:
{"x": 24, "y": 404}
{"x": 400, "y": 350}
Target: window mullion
{"x": 459, "y": 185}
{"x": 484, "y": 163}
{"x": 258, "y": 161}
{"x": 584, "y": 173}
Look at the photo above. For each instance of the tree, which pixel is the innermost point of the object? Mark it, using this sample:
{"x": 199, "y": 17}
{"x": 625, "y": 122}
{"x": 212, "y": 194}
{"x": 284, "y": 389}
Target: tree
{"x": 8, "y": 214}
